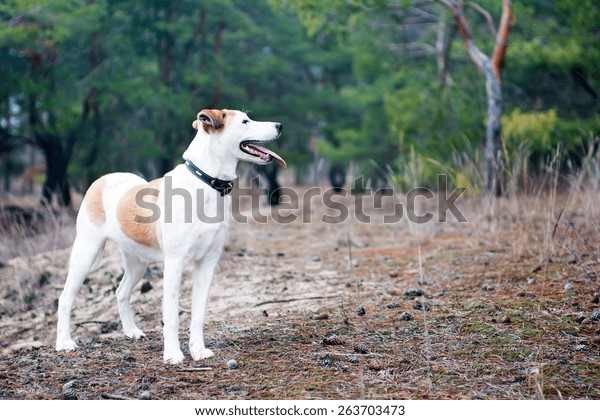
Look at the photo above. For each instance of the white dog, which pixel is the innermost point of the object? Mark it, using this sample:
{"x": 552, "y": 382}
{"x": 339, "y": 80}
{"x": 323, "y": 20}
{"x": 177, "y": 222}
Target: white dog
{"x": 179, "y": 219}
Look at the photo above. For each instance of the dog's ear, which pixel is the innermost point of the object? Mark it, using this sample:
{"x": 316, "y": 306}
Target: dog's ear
{"x": 211, "y": 120}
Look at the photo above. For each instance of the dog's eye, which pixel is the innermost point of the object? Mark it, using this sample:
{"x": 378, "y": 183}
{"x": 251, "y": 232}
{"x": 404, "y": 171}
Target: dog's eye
{"x": 245, "y": 121}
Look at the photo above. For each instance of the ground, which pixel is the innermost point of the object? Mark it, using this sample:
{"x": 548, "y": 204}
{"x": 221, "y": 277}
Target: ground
{"x": 504, "y": 306}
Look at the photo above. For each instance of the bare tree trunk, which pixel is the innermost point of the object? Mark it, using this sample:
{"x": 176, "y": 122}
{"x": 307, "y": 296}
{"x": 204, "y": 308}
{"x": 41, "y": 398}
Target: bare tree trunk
{"x": 492, "y": 69}
{"x": 493, "y": 133}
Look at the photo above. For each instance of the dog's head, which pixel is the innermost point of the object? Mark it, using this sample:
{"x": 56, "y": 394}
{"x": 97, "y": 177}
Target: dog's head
{"x": 234, "y": 133}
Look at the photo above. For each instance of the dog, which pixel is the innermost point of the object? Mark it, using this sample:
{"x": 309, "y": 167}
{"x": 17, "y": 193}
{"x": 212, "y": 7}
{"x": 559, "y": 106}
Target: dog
{"x": 150, "y": 225}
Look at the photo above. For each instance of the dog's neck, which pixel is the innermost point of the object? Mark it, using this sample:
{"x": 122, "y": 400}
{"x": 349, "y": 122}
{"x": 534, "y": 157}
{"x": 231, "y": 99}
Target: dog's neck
{"x": 211, "y": 163}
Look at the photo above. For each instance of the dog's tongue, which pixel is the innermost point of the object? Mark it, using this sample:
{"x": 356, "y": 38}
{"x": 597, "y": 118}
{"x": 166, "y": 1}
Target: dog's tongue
{"x": 274, "y": 155}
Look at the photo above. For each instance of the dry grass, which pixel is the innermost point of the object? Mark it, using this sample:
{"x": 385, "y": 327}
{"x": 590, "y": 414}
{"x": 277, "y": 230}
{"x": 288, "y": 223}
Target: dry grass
{"x": 475, "y": 310}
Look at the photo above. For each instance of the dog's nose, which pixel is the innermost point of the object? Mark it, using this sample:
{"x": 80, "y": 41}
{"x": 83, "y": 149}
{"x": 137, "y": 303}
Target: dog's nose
{"x": 279, "y": 127}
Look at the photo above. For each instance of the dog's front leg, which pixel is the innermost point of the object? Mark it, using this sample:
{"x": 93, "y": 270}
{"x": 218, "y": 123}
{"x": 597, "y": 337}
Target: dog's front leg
{"x": 172, "y": 282}
{"x": 203, "y": 276}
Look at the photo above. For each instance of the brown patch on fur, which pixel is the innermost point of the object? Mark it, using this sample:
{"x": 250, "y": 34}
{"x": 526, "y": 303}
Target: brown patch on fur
{"x": 94, "y": 202}
{"x": 218, "y": 117}
{"x": 129, "y": 214}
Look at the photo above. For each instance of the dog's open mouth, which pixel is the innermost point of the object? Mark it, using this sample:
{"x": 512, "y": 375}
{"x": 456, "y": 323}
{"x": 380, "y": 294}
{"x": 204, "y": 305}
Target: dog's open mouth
{"x": 255, "y": 148}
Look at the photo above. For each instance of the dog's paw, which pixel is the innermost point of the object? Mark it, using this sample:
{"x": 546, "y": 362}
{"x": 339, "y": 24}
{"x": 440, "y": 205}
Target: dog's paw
{"x": 135, "y": 333}
{"x": 66, "y": 345}
{"x": 173, "y": 357}
{"x": 202, "y": 354}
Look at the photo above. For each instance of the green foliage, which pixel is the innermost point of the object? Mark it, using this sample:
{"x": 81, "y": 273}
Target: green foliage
{"x": 353, "y": 81}
{"x": 537, "y": 130}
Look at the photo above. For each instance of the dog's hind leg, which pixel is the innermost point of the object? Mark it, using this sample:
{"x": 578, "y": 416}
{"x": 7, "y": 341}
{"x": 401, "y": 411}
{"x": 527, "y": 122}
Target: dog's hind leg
{"x": 88, "y": 244}
{"x": 134, "y": 271}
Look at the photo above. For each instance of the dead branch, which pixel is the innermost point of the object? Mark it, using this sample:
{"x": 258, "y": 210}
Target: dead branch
{"x": 443, "y": 48}
{"x": 292, "y": 300}
{"x": 198, "y": 369}
{"x": 507, "y": 20}
{"x": 456, "y": 9}
{"x": 487, "y": 15}
{"x": 82, "y": 323}
{"x": 351, "y": 354}
{"x": 108, "y": 396}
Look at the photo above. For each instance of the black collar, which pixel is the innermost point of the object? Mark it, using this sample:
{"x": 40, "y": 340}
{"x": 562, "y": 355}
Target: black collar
{"x": 222, "y": 186}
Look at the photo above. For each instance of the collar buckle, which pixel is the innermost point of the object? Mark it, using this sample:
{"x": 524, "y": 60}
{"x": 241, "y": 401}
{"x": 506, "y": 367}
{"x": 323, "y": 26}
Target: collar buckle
{"x": 222, "y": 186}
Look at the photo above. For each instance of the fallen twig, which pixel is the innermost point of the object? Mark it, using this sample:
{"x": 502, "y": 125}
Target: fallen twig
{"x": 351, "y": 354}
{"x": 198, "y": 369}
{"x": 84, "y": 323}
{"x": 292, "y": 300}
{"x": 107, "y": 396}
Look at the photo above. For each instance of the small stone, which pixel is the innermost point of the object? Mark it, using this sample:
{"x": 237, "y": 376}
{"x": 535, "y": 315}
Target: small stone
{"x": 232, "y": 364}
{"x": 412, "y": 293}
{"x": 393, "y": 305}
{"x": 505, "y": 320}
{"x": 531, "y": 281}
{"x": 568, "y": 287}
{"x": 405, "y": 316}
{"x": 325, "y": 361}
{"x": 322, "y": 317}
{"x": 146, "y": 287}
{"x": 145, "y": 395}
{"x": 360, "y": 311}
{"x": 355, "y": 263}
{"x": 580, "y": 319}
{"x": 393, "y": 274}
{"x": 595, "y": 316}
{"x": 68, "y": 390}
{"x": 487, "y": 288}
{"x": 316, "y": 259}
{"x": 580, "y": 347}
{"x": 421, "y": 307}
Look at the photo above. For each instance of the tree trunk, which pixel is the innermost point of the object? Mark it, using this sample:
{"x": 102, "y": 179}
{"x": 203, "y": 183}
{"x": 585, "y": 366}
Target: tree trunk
{"x": 493, "y": 133}
{"x": 273, "y": 187}
{"x": 492, "y": 68}
{"x": 56, "y": 182}
{"x": 216, "y": 97}
{"x": 337, "y": 177}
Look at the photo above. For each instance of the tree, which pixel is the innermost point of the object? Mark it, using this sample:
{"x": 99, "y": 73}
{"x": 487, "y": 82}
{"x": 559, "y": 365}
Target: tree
{"x": 492, "y": 68}
{"x": 48, "y": 44}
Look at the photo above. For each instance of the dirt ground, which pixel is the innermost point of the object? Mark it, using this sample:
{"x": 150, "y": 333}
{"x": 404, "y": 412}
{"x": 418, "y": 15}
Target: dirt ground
{"x": 502, "y": 307}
